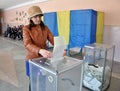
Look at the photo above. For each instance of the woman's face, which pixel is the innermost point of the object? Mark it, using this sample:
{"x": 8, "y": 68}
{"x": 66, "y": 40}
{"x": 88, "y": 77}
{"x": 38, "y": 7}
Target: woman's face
{"x": 36, "y": 19}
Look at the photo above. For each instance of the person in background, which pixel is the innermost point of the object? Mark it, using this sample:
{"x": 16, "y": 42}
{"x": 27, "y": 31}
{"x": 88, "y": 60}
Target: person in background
{"x": 8, "y": 30}
{"x": 35, "y": 35}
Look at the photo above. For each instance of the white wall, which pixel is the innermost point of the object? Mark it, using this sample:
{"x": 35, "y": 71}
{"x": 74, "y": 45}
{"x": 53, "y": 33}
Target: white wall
{"x": 111, "y": 35}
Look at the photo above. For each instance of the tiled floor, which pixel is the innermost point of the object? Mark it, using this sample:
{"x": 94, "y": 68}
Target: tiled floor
{"x": 17, "y": 49}
{"x": 18, "y": 52}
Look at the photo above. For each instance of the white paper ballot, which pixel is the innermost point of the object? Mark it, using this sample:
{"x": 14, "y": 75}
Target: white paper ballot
{"x": 59, "y": 47}
{"x": 59, "y": 40}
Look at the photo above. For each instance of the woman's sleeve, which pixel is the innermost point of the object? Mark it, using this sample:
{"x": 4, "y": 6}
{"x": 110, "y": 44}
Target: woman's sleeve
{"x": 50, "y": 36}
{"x": 28, "y": 42}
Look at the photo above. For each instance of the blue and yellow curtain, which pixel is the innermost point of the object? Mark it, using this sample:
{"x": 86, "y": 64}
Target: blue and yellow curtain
{"x": 63, "y": 19}
{"x": 78, "y": 27}
{"x": 100, "y": 26}
{"x": 50, "y": 19}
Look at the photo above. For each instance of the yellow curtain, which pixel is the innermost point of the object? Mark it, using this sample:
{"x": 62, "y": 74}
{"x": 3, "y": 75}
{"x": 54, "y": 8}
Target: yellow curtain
{"x": 63, "y": 19}
{"x": 100, "y": 25}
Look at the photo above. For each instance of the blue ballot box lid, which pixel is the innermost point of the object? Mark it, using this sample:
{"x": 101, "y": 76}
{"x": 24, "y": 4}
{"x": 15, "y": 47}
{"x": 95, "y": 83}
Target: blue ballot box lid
{"x": 56, "y": 67}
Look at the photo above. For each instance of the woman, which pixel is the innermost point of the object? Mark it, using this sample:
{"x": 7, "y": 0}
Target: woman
{"x": 35, "y": 36}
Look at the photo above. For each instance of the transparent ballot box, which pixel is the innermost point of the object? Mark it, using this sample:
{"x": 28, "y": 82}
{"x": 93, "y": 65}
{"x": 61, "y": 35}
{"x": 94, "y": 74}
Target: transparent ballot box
{"x": 63, "y": 75}
{"x": 98, "y": 60}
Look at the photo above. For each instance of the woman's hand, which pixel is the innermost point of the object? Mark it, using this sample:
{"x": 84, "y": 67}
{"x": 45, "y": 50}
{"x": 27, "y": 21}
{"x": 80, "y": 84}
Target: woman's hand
{"x": 64, "y": 53}
{"x": 45, "y": 53}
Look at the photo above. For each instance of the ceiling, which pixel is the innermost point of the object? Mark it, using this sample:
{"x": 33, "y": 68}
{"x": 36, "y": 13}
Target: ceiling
{"x": 6, "y": 4}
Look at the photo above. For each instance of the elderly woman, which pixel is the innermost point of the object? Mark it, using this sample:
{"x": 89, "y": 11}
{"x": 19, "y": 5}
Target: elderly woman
{"x": 35, "y": 36}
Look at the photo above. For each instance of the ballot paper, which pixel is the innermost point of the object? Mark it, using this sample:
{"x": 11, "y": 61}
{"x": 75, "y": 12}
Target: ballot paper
{"x": 59, "y": 40}
{"x": 59, "y": 47}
